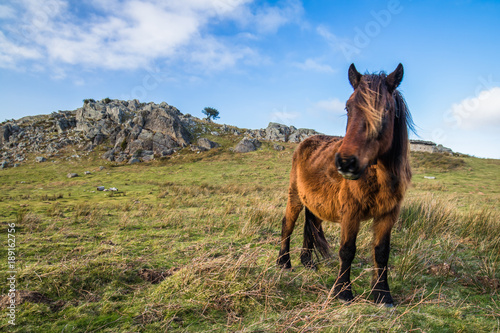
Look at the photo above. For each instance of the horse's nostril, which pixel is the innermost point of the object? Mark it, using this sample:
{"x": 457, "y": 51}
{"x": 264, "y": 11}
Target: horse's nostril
{"x": 348, "y": 164}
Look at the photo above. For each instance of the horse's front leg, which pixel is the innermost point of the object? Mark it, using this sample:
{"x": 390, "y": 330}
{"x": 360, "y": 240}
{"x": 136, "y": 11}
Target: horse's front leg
{"x": 382, "y": 227}
{"x": 349, "y": 228}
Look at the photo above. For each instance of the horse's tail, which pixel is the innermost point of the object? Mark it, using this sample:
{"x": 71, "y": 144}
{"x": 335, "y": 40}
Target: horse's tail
{"x": 313, "y": 232}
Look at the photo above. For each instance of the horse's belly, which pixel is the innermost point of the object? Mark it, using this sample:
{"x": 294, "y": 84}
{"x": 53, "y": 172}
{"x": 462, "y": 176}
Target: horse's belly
{"x": 323, "y": 207}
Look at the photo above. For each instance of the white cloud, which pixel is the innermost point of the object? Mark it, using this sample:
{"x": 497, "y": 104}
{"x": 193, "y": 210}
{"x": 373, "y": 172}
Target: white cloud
{"x": 333, "y": 105}
{"x": 132, "y": 34}
{"x": 313, "y": 65}
{"x": 267, "y": 19}
{"x": 10, "y": 52}
{"x": 482, "y": 111}
{"x": 7, "y": 12}
{"x": 270, "y": 19}
{"x": 283, "y": 116}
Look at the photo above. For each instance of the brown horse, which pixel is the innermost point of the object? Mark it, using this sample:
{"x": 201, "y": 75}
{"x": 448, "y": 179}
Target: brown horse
{"x": 364, "y": 175}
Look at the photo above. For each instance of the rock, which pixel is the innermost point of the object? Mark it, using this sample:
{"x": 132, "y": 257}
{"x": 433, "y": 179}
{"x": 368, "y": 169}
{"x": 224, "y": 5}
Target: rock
{"x": 63, "y": 124}
{"x": 113, "y": 189}
{"x": 100, "y": 188}
{"x": 148, "y": 156}
{"x": 299, "y": 135}
{"x": 101, "y": 168}
{"x": 278, "y": 147}
{"x": 247, "y": 145}
{"x": 40, "y": 159}
{"x": 72, "y": 175}
{"x": 122, "y": 157}
{"x": 4, "y": 165}
{"x": 196, "y": 148}
{"x": 167, "y": 122}
{"x": 207, "y": 144}
{"x": 281, "y": 133}
{"x": 429, "y": 177}
{"x": 87, "y": 173}
{"x": 5, "y": 133}
{"x": 109, "y": 155}
{"x": 167, "y": 152}
{"x": 277, "y": 132}
{"x": 134, "y": 160}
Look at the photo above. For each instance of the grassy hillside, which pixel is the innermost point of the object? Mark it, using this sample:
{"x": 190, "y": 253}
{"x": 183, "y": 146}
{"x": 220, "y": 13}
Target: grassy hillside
{"x": 189, "y": 243}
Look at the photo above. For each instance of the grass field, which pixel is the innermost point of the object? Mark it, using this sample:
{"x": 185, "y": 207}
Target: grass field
{"x": 189, "y": 243}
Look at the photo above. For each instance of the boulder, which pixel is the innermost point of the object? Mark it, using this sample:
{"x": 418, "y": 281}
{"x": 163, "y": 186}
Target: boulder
{"x": 247, "y": 145}
{"x": 207, "y": 144}
{"x": 277, "y": 132}
{"x": 40, "y": 159}
{"x": 167, "y": 122}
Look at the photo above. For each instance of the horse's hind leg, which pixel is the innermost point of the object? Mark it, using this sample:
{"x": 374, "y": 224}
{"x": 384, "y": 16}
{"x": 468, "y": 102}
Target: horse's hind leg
{"x": 314, "y": 237}
{"x": 381, "y": 246}
{"x": 293, "y": 208}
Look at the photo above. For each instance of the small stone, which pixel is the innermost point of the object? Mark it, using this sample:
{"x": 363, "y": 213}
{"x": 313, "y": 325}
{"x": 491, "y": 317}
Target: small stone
{"x": 87, "y": 173}
{"x": 134, "y": 160}
{"x": 278, "y": 147}
{"x": 100, "y": 188}
{"x": 72, "y": 175}
{"x": 40, "y": 159}
{"x": 114, "y": 189}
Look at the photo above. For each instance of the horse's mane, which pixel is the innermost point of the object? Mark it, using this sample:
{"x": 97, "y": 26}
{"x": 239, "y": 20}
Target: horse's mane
{"x": 399, "y": 154}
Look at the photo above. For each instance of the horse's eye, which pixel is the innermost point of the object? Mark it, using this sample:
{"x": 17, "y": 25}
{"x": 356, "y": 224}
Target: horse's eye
{"x": 346, "y": 109}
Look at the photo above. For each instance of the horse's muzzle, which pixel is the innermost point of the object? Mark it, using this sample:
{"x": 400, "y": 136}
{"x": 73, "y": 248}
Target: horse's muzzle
{"x": 348, "y": 167}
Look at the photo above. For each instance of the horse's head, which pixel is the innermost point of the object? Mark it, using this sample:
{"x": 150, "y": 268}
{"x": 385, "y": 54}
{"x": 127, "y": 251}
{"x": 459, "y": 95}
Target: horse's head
{"x": 371, "y": 111}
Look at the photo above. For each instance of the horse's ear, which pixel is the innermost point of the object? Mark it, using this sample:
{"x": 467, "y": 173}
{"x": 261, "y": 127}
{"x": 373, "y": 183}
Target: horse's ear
{"x": 354, "y": 76}
{"x": 394, "y": 79}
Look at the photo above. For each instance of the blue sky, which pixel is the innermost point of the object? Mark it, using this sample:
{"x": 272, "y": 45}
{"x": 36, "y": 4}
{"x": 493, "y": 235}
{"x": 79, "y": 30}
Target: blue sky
{"x": 259, "y": 61}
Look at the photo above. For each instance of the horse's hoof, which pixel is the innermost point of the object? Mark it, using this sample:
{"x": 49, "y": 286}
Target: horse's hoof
{"x": 284, "y": 266}
{"x": 344, "y": 296}
{"x": 284, "y": 263}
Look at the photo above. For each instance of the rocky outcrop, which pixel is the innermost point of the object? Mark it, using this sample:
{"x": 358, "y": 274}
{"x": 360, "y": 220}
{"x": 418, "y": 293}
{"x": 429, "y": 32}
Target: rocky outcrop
{"x": 281, "y": 133}
{"x": 129, "y": 127}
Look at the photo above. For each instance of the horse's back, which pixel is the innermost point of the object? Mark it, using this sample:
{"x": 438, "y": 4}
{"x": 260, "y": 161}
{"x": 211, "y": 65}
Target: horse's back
{"x": 314, "y": 145}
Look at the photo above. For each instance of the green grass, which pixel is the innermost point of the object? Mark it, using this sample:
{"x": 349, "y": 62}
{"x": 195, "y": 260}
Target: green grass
{"x": 189, "y": 243}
